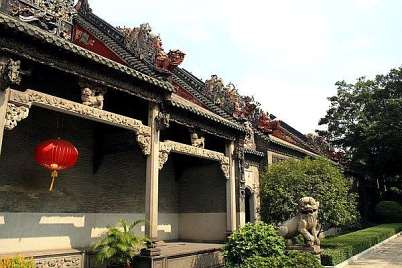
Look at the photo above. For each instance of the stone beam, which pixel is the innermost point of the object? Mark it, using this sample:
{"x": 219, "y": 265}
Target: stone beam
{"x": 171, "y": 146}
{"x": 20, "y": 103}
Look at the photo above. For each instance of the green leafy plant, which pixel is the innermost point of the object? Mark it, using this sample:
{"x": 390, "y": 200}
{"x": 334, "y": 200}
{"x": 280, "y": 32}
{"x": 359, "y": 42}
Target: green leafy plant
{"x": 257, "y": 239}
{"x": 17, "y": 262}
{"x": 389, "y": 211}
{"x": 284, "y": 183}
{"x": 119, "y": 245}
{"x": 340, "y": 248}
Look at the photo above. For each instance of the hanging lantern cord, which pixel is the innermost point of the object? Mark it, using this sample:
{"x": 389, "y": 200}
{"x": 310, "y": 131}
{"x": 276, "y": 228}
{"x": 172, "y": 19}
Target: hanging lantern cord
{"x": 54, "y": 176}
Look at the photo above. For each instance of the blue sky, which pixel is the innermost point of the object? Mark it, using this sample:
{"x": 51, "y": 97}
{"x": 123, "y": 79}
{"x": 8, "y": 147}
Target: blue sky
{"x": 286, "y": 53}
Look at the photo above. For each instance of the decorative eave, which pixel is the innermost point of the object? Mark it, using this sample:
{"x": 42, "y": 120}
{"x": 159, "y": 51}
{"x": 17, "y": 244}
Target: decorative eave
{"x": 182, "y": 103}
{"x": 277, "y": 141}
{"x": 252, "y": 152}
{"x": 35, "y": 32}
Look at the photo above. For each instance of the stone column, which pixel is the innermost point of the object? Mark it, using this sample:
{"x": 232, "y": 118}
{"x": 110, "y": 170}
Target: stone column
{"x": 3, "y": 110}
{"x": 152, "y": 177}
{"x": 231, "y": 190}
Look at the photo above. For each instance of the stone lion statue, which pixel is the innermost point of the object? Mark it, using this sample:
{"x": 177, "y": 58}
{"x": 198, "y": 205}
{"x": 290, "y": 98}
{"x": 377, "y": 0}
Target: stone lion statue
{"x": 305, "y": 223}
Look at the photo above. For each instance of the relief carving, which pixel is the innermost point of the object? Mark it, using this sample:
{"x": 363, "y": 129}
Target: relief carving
{"x": 14, "y": 115}
{"x": 165, "y": 148}
{"x": 54, "y": 16}
{"x": 249, "y": 141}
{"x": 162, "y": 120}
{"x": 10, "y": 73}
{"x": 31, "y": 97}
{"x": 59, "y": 262}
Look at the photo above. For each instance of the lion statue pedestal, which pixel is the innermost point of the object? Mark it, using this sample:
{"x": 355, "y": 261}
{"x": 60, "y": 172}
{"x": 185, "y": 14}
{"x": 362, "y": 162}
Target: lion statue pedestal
{"x": 305, "y": 224}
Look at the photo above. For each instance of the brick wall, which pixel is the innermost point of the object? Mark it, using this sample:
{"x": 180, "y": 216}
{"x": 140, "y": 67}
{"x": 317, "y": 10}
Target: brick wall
{"x": 118, "y": 186}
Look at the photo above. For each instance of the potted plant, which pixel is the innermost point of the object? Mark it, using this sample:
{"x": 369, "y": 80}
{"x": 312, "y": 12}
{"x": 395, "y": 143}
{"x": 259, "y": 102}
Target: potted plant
{"x": 119, "y": 245}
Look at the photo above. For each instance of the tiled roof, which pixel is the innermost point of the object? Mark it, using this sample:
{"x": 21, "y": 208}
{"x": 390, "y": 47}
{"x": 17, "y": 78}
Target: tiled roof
{"x": 12, "y": 23}
{"x": 253, "y": 152}
{"x": 182, "y": 103}
{"x": 121, "y": 51}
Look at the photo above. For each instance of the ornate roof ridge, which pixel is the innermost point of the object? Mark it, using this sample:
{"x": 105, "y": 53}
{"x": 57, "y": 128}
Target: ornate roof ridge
{"x": 50, "y": 38}
{"x": 115, "y": 46}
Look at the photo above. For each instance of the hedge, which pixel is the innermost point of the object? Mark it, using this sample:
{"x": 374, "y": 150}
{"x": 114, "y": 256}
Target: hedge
{"x": 388, "y": 212}
{"x": 340, "y": 248}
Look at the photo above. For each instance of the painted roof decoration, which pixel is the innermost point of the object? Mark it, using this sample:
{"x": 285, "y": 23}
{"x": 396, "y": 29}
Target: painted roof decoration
{"x": 148, "y": 47}
{"x": 55, "y": 16}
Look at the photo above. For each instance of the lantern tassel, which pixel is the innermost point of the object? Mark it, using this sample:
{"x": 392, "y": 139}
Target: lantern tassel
{"x": 54, "y": 176}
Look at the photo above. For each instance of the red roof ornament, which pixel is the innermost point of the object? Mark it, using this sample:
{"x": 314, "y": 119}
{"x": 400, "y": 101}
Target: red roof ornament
{"x": 56, "y": 155}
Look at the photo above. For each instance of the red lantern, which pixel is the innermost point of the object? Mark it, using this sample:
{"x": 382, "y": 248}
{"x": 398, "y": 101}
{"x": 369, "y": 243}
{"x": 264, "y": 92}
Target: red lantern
{"x": 56, "y": 155}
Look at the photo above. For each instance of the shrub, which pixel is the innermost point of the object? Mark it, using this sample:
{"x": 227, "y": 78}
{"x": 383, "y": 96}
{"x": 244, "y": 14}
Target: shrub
{"x": 265, "y": 262}
{"x": 303, "y": 260}
{"x": 257, "y": 239}
{"x": 340, "y": 248}
{"x": 119, "y": 245}
{"x": 389, "y": 211}
{"x": 284, "y": 183}
{"x": 294, "y": 259}
{"x": 17, "y": 262}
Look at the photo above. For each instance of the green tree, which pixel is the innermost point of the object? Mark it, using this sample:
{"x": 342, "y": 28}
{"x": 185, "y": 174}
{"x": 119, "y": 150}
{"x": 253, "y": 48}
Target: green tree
{"x": 365, "y": 121}
{"x": 286, "y": 182}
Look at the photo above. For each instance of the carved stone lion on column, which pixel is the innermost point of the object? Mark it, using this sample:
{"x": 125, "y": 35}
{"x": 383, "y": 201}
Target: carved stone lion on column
{"x": 197, "y": 141}
{"x": 89, "y": 98}
{"x": 305, "y": 223}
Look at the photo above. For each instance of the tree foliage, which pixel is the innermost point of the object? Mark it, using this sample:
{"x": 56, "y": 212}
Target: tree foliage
{"x": 286, "y": 182}
{"x": 365, "y": 121}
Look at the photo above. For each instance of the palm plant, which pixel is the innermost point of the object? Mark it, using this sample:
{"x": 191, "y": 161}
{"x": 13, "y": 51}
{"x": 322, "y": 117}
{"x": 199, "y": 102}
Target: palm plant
{"x": 119, "y": 245}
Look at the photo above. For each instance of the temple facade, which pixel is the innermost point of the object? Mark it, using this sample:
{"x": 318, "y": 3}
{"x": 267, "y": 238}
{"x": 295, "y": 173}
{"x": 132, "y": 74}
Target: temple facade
{"x": 155, "y": 142}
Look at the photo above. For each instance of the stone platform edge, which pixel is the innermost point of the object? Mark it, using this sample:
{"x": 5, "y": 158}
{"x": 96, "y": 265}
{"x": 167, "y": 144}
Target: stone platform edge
{"x": 355, "y": 257}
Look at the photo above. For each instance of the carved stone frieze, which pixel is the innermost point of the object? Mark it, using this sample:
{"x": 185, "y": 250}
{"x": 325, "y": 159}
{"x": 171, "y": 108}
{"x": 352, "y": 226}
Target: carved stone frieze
{"x": 165, "y": 148}
{"x": 14, "y": 115}
{"x": 31, "y": 97}
{"x": 72, "y": 261}
{"x": 10, "y": 73}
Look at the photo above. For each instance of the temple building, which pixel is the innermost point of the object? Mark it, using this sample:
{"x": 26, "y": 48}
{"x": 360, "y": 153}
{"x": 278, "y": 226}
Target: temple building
{"x": 155, "y": 142}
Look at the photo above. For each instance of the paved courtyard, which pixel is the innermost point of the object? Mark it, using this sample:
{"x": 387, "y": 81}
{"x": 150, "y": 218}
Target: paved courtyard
{"x": 388, "y": 255}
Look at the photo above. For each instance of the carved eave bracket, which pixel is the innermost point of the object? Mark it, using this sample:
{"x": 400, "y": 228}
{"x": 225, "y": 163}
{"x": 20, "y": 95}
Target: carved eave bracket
{"x": 20, "y": 102}
{"x": 165, "y": 148}
{"x": 10, "y": 73}
{"x": 14, "y": 115}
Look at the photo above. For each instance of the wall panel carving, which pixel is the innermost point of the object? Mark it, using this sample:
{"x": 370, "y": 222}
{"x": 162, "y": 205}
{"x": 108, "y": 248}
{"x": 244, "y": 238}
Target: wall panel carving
{"x": 165, "y": 148}
{"x": 20, "y": 102}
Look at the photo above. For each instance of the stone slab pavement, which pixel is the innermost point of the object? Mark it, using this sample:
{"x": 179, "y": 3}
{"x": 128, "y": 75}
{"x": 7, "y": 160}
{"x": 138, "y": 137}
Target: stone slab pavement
{"x": 388, "y": 255}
